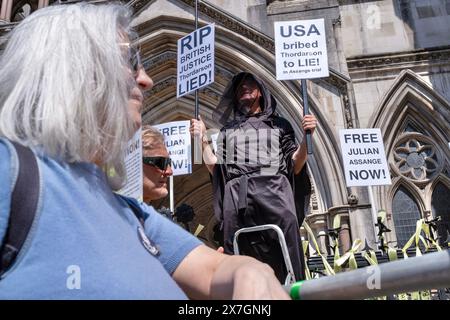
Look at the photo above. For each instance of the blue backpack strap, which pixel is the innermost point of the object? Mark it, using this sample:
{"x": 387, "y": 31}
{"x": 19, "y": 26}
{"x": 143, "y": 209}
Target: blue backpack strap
{"x": 24, "y": 201}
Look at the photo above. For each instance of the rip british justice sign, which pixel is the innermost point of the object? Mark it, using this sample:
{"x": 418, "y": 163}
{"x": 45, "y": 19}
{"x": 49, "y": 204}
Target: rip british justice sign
{"x": 195, "y": 60}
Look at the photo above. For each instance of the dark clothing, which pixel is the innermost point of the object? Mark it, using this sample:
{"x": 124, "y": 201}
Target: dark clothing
{"x": 254, "y": 183}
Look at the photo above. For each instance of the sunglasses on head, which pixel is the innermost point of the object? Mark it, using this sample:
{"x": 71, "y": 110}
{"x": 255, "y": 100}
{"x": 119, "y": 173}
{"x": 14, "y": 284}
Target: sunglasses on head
{"x": 160, "y": 162}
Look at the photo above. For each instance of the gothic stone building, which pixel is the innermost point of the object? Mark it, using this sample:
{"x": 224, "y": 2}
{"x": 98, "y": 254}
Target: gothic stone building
{"x": 389, "y": 69}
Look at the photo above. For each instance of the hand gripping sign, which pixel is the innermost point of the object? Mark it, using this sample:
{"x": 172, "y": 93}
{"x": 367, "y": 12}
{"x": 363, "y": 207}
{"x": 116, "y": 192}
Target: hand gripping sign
{"x": 301, "y": 53}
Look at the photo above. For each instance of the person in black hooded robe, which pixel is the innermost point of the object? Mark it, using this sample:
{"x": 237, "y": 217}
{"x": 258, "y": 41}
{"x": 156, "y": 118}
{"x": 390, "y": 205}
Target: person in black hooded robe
{"x": 258, "y": 173}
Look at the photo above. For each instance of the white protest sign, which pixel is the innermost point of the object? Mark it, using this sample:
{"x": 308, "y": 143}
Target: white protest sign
{"x": 195, "y": 63}
{"x": 133, "y": 164}
{"x": 364, "y": 157}
{"x": 301, "y": 49}
{"x": 178, "y": 142}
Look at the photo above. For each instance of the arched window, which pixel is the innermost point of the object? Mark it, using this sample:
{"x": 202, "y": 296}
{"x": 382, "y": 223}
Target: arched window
{"x": 405, "y": 212}
{"x": 440, "y": 206}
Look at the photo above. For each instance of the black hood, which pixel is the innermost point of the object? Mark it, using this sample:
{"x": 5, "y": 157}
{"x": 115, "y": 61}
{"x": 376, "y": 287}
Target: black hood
{"x": 228, "y": 112}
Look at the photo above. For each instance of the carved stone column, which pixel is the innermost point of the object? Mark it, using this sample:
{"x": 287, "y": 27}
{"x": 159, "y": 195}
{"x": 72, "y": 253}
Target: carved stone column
{"x": 319, "y": 226}
{"x": 42, "y": 4}
{"x": 5, "y": 13}
{"x": 345, "y": 240}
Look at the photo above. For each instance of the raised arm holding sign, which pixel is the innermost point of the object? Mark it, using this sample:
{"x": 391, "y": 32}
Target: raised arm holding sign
{"x": 301, "y": 53}
{"x": 195, "y": 67}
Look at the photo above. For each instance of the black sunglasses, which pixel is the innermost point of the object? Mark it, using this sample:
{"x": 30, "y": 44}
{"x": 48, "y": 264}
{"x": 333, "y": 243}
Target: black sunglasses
{"x": 160, "y": 162}
{"x": 135, "y": 59}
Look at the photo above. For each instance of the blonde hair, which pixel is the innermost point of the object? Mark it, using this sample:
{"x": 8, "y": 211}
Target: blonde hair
{"x": 63, "y": 83}
{"x": 152, "y": 138}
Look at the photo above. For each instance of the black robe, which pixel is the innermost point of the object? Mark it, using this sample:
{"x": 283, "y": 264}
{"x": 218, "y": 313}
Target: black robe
{"x": 250, "y": 194}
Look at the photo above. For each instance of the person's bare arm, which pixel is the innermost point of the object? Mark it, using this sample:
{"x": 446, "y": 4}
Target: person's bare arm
{"x": 208, "y": 274}
{"x": 198, "y": 129}
{"x": 300, "y": 156}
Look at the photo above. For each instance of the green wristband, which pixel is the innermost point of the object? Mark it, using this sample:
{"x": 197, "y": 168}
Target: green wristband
{"x": 295, "y": 290}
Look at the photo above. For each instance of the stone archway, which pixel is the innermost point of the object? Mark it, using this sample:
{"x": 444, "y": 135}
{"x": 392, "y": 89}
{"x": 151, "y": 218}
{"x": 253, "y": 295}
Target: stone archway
{"x": 236, "y": 52}
{"x": 412, "y": 115}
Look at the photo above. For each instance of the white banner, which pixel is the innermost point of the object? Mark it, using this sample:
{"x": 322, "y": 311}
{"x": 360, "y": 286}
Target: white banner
{"x": 195, "y": 63}
{"x": 133, "y": 162}
{"x": 364, "y": 157}
{"x": 178, "y": 142}
{"x": 301, "y": 49}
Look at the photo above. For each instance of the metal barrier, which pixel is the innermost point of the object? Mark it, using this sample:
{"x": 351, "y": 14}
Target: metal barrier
{"x": 287, "y": 260}
{"x": 431, "y": 271}
{"x": 315, "y": 263}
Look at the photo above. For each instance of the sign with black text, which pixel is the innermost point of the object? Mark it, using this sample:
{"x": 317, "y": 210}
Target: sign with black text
{"x": 364, "y": 157}
{"x": 178, "y": 143}
{"x": 195, "y": 63}
{"x": 301, "y": 49}
{"x": 133, "y": 166}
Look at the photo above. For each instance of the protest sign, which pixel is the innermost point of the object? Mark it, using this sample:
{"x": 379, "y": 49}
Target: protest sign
{"x": 301, "y": 49}
{"x": 133, "y": 164}
{"x": 195, "y": 63}
{"x": 364, "y": 157}
{"x": 178, "y": 143}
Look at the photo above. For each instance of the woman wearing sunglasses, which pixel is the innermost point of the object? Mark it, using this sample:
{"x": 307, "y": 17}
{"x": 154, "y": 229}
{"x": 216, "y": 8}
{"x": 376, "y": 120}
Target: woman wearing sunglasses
{"x": 157, "y": 164}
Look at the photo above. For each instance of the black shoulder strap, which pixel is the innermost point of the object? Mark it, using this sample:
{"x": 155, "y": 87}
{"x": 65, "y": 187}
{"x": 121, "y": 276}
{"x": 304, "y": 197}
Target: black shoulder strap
{"x": 24, "y": 200}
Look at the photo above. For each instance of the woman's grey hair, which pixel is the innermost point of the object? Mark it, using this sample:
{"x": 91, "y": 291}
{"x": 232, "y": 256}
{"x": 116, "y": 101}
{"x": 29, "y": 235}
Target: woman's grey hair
{"x": 65, "y": 84}
{"x": 152, "y": 138}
